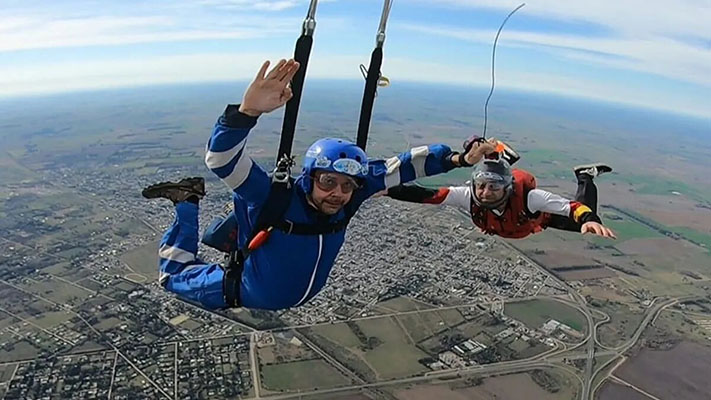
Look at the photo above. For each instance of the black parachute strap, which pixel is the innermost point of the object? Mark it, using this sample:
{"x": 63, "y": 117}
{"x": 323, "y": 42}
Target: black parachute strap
{"x": 278, "y": 199}
{"x": 372, "y": 79}
{"x": 301, "y": 55}
{"x": 291, "y": 228}
{"x": 233, "y": 278}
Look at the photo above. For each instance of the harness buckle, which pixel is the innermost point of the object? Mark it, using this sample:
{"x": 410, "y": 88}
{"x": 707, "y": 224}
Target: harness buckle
{"x": 282, "y": 171}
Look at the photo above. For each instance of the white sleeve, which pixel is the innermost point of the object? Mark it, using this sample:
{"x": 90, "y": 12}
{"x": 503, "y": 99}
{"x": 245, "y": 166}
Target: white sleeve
{"x": 458, "y": 196}
{"x": 541, "y": 200}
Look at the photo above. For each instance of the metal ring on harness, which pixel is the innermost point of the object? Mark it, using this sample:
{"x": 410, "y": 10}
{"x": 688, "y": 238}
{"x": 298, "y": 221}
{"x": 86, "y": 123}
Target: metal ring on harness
{"x": 282, "y": 171}
{"x": 291, "y": 226}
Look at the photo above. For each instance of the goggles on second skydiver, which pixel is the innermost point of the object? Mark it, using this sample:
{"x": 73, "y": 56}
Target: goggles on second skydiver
{"x": 491, "y": 180}
{"x": 328, "y": 182}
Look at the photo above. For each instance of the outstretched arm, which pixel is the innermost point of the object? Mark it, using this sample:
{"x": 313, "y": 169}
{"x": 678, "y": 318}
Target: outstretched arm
{"x": 420, "y": 162}
{"x": 225, "y": 154}
{"x": 577, "y": 212}
{"x": 457, "y": 196}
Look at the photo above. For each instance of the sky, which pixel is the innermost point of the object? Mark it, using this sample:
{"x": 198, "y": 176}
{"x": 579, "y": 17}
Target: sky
{"x": 649, "y": 53}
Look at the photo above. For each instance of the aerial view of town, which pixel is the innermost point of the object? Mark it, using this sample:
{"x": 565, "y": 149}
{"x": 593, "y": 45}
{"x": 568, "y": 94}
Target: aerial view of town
{"x": 581, "y": 129}
{"x": 419, "y": 305}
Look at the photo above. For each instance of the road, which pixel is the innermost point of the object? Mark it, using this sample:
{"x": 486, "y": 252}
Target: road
{"x": 256, "y": 377}
{"x": 489, "y": 369}
{"x": 582, "y": 306}
{"x": 650, "y": 316}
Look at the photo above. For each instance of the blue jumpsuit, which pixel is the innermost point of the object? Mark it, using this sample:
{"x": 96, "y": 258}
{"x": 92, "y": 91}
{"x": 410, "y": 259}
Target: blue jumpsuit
{"x": 288, "y": 270}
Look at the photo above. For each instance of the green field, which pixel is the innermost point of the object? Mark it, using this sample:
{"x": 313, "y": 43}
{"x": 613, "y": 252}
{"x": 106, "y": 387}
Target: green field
{"x": 629, "y": 229}
{"x": 6, "y": 372}
{"x": 338, "y": 333}
{"x": 535, "y": 313}
{"x": 402, "y": 304}
{"x": 143, "y": 260}
{"x": 416, "y": 326}
{"x": 396, "y": 356}
{"x": 56, "y": 291}
{"x": 19, "y": 350}
{"x": 59, "y": 269}
{"x": 451, "y": 317}
{"x": 655, "y": 185}
{"x": 52, "y": 318}
{"x": 622, "y": 324}
{"x": 300, "y": 375}
{"x": 693, "y": 235}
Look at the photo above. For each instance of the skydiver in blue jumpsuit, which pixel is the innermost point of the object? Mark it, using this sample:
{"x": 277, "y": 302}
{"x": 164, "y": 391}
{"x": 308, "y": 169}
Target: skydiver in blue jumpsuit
{"x": 287, "y": 270}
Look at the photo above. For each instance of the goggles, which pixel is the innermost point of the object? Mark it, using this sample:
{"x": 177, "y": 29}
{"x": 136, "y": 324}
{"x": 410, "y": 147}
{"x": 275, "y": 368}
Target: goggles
{"x": 328, "y": 182}
{"x": 493, "y": 186}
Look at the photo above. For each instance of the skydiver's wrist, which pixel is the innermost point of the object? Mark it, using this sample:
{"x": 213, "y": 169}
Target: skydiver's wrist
{"x": 459, "y": 160}
{"x": 590, "y": 217}
{"x": 249, "y": 111}
{"x": 454, "y": 159}
{"x": 234, "y": 118}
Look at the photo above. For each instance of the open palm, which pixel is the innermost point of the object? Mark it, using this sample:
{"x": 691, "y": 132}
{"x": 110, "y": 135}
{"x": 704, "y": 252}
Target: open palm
{"x": 269, "y": 91}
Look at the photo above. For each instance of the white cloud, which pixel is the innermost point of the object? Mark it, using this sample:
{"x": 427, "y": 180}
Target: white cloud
{"x": 23, "y": 34}
{"x": 655, "y": 36}
{"x": 640, "y": 18}
{"x": 78, "y": 23}
{"x": 262, "y": 5}
{"x": 61, "y": 77}
{"x": 663, "y": 56}
{"x": 670, "y": 39}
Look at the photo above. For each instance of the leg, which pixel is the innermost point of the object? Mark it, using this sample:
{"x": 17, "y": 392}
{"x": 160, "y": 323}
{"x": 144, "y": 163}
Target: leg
{"x": 181, "y": 272}
{"x": 587, "y": 192}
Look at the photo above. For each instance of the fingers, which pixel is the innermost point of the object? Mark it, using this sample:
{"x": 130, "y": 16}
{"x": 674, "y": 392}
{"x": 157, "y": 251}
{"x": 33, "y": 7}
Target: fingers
{"x": 275, "y": 71}
{"x": 597, "y": 229}
{"x": 287, "y": 71}
{"x": 287, "y": 94}
{"x": 292, "y": 69}
{"x": 484, "y": 148}
{"x": 262, "y": 71}
{"x": 610, "y": 233}
{"x": 487, "y": 147}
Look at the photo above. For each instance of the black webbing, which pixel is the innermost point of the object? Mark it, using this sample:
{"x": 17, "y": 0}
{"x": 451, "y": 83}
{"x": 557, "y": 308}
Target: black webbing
{"x": 366, "y": 107}
{"x": 301, "y": 54}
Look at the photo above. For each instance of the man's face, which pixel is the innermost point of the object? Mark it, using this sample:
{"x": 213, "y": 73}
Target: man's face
{"x": 489, "y": 192}
{"x": 331, "y": 191}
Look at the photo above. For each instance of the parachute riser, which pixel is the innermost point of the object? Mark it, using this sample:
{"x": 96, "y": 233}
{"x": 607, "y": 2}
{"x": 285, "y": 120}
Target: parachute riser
{"x": 373, "y": 78}
{"x": 302, "y": 52}
{"x": 380, "y": 37}
{"x": 310, "y": 20}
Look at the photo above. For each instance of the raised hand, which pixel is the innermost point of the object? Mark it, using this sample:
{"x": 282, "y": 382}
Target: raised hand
{"x": 269, "y": 91}
{"x": 478, "y": 150}
{"x": 597, "y": 229}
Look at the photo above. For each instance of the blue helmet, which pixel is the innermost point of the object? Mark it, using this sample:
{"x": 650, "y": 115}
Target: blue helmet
{"x": 335, "y": 155}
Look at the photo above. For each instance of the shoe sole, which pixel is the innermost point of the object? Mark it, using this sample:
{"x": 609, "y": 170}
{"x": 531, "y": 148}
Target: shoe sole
{"x": 586, "y": 166}
{"x": 154, "y": 191}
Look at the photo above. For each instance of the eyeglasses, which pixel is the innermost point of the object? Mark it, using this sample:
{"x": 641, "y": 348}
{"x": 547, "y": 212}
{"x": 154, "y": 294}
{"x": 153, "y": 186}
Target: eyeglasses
{"x": 328, "y": 182}
{"x": 493, "y": 186}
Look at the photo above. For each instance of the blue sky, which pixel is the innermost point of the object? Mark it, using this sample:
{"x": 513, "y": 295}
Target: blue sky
{"x": 650, "y": 53}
